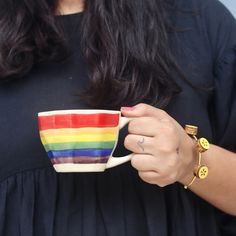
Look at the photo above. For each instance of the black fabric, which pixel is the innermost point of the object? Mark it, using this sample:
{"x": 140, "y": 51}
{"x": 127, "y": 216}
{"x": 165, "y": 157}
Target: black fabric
{"x": 36, "y": 201}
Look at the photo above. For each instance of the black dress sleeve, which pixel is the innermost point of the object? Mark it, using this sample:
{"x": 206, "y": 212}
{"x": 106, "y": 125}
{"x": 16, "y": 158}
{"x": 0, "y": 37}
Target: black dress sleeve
{"x": 225, "y": 104}
{"x": 221, "y": 28}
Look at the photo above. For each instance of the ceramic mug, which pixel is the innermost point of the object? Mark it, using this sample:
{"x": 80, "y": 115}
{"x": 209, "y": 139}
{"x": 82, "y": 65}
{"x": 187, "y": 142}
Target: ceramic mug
{"x": 81, "y": 140}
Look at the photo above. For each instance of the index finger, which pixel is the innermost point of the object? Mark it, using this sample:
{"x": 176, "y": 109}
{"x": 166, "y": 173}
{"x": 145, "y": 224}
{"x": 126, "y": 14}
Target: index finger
{"x": 142, "y": 110}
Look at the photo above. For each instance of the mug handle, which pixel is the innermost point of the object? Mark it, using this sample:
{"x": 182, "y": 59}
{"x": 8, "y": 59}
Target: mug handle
{"x": 115, "y": 161}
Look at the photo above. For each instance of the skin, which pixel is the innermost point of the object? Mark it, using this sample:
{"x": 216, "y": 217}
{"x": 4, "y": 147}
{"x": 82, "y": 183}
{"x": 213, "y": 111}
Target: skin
{"x": 167, "y": 154}
{"x": 66, "y": 7}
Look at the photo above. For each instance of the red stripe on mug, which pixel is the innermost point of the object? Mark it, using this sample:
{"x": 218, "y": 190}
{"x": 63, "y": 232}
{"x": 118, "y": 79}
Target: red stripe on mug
{"x": 78, "y": 121}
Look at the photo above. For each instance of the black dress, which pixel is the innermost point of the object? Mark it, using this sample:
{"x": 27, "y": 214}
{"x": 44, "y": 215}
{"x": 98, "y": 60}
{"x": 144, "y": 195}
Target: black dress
{"x": 36, "y": 201}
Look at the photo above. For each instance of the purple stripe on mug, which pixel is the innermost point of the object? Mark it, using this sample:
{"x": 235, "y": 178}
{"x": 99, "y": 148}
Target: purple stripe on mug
{"x": 81, "y": 159}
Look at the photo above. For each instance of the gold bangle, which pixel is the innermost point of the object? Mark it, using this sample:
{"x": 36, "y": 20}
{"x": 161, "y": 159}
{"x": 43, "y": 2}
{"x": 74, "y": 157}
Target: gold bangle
{"x": 201, "y": 171}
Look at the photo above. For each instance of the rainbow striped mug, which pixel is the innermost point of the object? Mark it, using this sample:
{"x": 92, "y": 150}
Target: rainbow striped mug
{"x": 81, "y": 140}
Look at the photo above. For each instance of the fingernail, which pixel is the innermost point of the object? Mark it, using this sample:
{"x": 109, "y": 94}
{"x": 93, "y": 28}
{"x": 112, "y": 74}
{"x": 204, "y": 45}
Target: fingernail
{"x": 127, "y": 108}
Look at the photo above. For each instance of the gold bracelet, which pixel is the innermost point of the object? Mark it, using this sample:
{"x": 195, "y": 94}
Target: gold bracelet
{"x": 201, "y": 171}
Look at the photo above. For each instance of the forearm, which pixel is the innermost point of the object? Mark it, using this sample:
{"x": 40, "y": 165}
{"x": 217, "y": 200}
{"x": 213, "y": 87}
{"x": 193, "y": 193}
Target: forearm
{"x": 219, "y": 188}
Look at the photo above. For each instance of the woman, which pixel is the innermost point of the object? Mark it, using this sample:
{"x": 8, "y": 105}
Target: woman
{"x": 167, "y": 64}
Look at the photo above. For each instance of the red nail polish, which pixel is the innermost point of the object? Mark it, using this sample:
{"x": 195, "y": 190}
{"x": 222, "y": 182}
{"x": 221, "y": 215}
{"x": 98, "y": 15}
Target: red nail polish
{"x": 127, "y": 108}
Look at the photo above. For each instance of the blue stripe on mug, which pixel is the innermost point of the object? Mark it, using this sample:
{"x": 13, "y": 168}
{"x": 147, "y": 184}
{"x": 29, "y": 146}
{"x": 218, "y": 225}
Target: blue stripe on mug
{"x": 82, "y": 152}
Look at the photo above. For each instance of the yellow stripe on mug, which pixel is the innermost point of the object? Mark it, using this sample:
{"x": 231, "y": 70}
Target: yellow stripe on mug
{"x": 78, "y": 138}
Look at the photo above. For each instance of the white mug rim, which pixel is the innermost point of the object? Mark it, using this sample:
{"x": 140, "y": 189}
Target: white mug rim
{"x": 78, "y": 111}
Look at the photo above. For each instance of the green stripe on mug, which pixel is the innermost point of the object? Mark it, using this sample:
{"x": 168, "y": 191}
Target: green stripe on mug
{"x": 78, "y": 145}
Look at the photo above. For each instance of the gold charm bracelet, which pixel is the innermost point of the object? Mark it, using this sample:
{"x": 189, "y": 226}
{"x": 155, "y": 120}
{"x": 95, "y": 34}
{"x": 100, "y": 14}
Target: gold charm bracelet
{"x": 201, "y": 171}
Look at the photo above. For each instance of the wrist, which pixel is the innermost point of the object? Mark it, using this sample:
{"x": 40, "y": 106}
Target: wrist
{"x": 191, "y": 162}
{"x": 202, "y": 145}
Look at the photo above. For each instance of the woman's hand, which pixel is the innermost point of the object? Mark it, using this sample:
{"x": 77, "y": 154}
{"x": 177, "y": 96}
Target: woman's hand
{"x": 163, "y": 152}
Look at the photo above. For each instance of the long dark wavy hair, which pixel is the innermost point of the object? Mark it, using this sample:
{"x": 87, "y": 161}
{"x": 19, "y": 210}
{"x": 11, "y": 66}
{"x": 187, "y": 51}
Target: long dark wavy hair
{"x": 125, "y": 43}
